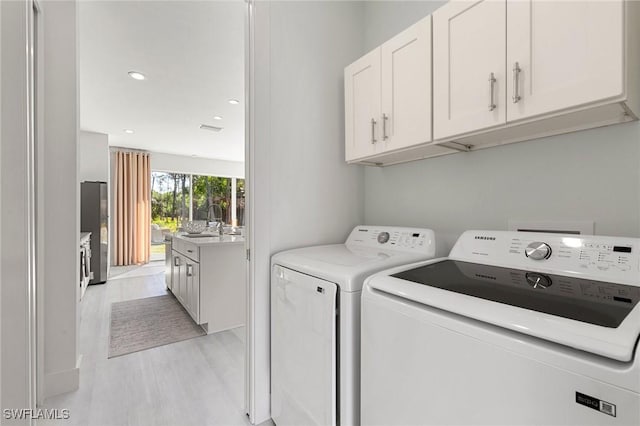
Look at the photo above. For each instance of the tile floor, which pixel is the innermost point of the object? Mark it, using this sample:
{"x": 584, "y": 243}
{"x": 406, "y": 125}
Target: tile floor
{"x": 194, "y": 382}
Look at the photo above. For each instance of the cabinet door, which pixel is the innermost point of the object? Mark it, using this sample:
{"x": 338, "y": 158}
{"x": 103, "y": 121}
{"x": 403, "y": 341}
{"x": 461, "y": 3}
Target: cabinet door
{"x": 193, "y": 291}
{"x": 568, "y": 54}
{"x": 406, "y": 87}
{"x": 469, "y": 53}
{"x": 362, "y": 106}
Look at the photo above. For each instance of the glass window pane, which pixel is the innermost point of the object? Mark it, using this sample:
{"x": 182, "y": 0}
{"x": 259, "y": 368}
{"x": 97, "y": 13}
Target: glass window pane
{"x": 211, "y": 198}
{"x": 169, "y": 199}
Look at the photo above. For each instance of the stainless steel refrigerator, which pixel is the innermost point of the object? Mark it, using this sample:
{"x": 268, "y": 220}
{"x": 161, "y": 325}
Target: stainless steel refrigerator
{"x": 94, "y": 218}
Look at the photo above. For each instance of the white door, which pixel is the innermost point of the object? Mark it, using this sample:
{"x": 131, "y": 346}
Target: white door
{"x": 406, "y": 87}
{"x": 362, "y": 106}
{"x": 468, "y": 67}
{"x": 303, "y": 349}
{"x": 568, "y": 53}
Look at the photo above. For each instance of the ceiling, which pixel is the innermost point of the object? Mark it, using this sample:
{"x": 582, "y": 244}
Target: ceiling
{"x": 192, "y": 54}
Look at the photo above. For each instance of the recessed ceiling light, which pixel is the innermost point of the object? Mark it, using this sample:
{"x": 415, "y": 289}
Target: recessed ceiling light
{"x": 136, "y": 75}
{"x": 234, "y": 101}
{"x": 217, "y": 117}
{"x": 212, "y": 128}
{"x": 128, "y": 131}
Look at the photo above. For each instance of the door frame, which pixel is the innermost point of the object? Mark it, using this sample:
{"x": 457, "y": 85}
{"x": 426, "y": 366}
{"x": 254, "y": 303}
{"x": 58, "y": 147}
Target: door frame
{"x": 257, "y": 223}
{"x": 19, "y": 222}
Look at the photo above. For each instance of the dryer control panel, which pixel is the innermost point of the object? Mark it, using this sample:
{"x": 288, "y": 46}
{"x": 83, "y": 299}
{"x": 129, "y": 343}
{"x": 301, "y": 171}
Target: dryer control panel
{"x": 418, "y": 240}
{"x": 612, "y": 259}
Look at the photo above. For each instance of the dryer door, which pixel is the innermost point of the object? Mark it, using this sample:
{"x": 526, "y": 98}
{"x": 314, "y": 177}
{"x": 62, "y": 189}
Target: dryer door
{"x": 303, "y": 349}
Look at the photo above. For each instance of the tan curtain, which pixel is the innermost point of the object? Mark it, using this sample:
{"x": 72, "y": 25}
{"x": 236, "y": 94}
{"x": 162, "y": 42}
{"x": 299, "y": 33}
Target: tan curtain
{"x": 132, "y": 208}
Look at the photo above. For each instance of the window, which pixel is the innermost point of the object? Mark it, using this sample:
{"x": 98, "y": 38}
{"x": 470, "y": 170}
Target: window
{"x": 211, "y": 198}
{"x": 170, "y": 199}
{"x": 180, "y": 197}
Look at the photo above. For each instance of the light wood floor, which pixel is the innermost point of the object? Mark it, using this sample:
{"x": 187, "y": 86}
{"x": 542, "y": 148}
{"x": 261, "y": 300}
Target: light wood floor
{"x": 194, "y": 382}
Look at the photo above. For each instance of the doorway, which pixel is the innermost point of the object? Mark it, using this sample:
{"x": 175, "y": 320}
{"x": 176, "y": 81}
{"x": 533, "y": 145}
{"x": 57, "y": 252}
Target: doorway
{"x": 214, "y": 363}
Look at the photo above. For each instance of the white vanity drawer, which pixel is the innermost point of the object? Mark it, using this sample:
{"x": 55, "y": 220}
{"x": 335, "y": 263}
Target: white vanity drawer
{"x": 186, "y": 248}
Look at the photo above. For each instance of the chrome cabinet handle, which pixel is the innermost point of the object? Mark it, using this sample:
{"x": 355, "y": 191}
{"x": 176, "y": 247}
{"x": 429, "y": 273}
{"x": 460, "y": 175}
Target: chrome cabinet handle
{"x": 189, "y": 270}
{"x": 176, "y": 261}
{"x": 385, "y": 117}
{"x": 516, "y": 78}
{"x": 373, "y": 131}
{"x": 492, "y": 83}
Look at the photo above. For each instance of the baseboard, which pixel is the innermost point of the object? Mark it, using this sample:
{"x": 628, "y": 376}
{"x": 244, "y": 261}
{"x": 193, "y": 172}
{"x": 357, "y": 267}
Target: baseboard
{"x": 62, "y": 381}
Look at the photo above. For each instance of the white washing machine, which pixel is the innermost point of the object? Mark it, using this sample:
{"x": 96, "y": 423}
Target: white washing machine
{"x": 511, "y": 328}
{"x": 315, "y": 321}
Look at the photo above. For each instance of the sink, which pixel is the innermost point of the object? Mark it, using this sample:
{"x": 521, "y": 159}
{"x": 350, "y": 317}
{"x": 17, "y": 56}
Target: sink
{"x": 201, "y": 236}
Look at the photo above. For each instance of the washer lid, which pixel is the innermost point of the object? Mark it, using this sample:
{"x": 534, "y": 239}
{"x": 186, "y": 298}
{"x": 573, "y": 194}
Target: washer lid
{"x": 345, "y": 265}
{"x": 589, "y": 301}
{"x": 594, "y": 316}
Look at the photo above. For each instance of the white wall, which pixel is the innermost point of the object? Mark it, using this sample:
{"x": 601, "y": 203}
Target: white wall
{"x": 384, "y": 19}
{"x": 62, "y": 195}
{"x": 93, "y": 157}
{"x": 590, "y": 175}
{"x": 302, "y": 192}
{"x": 196, "y": 165}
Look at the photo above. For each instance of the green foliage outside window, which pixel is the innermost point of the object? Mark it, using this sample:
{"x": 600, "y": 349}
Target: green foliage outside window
{"x": 170, "y": 199}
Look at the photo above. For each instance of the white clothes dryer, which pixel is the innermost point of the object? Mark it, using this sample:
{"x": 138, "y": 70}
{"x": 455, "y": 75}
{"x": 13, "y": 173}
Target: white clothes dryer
{"x": 315, "y": 321}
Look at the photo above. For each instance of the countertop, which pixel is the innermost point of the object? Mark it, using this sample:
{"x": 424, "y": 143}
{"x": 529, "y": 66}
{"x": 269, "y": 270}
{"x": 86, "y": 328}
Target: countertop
{"x": 212, "y": 240}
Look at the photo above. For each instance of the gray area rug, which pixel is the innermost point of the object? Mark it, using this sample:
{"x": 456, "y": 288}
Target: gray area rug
{"x": 142, "y": 324}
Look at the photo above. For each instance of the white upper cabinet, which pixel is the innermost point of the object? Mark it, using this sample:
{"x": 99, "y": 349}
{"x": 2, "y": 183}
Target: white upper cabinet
{"x": 480, "y": 73}
{"x": 362, "y": 106}
{"x": 406, "y": 87}
{"x": 563, "y": 54}
{"x": 469, "y": 82}
{"x": 388, "y": 101}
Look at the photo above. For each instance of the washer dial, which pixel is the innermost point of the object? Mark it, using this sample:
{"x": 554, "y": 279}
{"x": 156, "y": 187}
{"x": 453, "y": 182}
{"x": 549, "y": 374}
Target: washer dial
{"x": 536, "y": 280}
{"x": 538, "y": 251}
{"x": 383, "y": 237}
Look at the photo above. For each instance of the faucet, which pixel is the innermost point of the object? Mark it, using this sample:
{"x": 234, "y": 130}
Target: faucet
{"x": 218, "y": 219}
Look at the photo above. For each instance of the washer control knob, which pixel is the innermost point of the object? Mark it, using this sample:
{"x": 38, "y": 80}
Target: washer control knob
{"x": 383, "y": 237}
{"x": 538, "y": 251}
{"x": 536, "y": 280}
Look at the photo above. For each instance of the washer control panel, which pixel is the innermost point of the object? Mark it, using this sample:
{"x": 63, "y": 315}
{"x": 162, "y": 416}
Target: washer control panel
{"x": 615, "y": 259}
{"x": 393, "y": 238}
